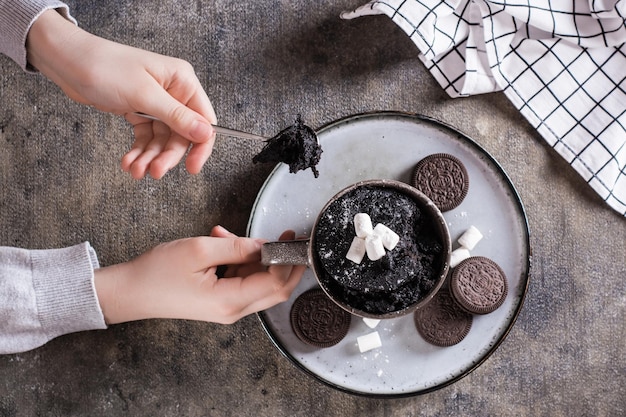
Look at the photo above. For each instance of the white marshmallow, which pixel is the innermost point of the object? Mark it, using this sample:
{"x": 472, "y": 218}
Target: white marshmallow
{"x": 357, "y": 250}
{"x": 470, "y": 238}
{"x": 374, "y": 247}
{"x": 369, "y": 342}
{"x": 458, "y": 255}
{"x": 371, "y": 323}
{"x": 363, "y": 225}
{"x": 389, "y": 237}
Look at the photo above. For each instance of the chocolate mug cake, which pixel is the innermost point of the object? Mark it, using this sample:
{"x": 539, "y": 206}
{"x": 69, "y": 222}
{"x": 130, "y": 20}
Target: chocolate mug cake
{"x": 401, "y": 277}
{"x": 404, "y": 275}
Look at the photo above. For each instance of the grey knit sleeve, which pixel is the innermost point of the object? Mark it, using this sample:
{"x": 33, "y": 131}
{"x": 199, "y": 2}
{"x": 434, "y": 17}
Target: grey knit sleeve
{"x": 16, "y": 18}
{"x": 45, "y": 294}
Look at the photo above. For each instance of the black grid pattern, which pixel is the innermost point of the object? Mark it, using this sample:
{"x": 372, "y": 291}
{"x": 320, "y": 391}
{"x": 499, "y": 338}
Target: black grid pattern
{"x": 561, "y": 63}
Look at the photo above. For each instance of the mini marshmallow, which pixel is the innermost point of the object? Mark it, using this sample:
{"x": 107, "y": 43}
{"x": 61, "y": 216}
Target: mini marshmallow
{"x": 374, "y": 247}
{"x": 458, "y": 255}
{"x": 357, "y": 250}
{"x": 369, "y": 342}
{"x": 389, "y": 237}
{"x": 371, "y": 323}
{"x": 470, "y": 238}
{"x": 362, "y": 225}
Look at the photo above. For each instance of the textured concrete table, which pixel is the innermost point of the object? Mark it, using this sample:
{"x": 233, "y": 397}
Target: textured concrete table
{"x": 262, "y": 63}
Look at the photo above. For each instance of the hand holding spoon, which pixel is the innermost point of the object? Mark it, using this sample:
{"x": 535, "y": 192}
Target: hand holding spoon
{"x": 298, "y": 145}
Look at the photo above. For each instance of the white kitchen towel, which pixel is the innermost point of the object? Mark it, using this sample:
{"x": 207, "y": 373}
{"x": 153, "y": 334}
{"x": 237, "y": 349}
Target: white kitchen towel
{"x": 561, "y": 63}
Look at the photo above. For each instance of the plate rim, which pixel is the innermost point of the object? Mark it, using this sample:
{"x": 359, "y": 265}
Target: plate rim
{"x": 526, "y": 229}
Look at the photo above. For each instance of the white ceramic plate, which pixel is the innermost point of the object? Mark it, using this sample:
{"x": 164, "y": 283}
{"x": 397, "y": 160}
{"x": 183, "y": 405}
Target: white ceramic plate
{"x": 388, "y": 145}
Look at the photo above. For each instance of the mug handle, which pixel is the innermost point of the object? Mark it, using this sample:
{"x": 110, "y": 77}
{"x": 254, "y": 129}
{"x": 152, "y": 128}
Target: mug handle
{"x": 286, "y": 252}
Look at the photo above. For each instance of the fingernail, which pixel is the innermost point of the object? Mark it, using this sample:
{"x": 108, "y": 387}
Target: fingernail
{"x": 222, "y": 228}
{"x": 200, "y": 131}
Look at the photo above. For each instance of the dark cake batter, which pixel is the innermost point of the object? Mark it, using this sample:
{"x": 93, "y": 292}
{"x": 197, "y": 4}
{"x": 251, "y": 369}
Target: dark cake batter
{"x": 401, "y": 277}
{"x": 296, "y": 146}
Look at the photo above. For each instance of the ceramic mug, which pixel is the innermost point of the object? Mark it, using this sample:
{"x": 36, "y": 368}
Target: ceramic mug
{"x": 302, "y": 252}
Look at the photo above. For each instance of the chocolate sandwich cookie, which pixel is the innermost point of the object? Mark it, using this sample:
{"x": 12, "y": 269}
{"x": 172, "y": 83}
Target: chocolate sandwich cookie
{"x": 443, "y": 178}
{"x": 478, "y": 285}
{"x": 317, "y": 320}
{"x": 442, "y": 322}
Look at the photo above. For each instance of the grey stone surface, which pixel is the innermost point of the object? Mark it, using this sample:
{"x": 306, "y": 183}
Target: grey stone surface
{"x": 261, "y": 63}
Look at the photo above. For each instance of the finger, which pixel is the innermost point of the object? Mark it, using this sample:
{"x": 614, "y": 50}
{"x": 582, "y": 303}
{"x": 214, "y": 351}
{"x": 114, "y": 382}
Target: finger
{"x": 174, "y": 150}
{"x": 154, "y": 146}
{"x": 294, "y": 272}
{"x": 179, "y": 117}
{"x": 130, "y": 157}
{"x": 280, "y": 296}
{"x": 201, "y": 103}
{"x": 143, "y": 135}
{"x": 259, "y": 291}
{"x": 249, "y": 269}
{"x": 244, "y": 270}
{"x": 202, "y": 253}
{"x": 198, "y": 155}
{"x": 221, "y": 231}
{"x": 287, "y": 235}
{"x": 258, "y": 282}
{"x": 232, "y": 250}
{"x": 187, "y": 89}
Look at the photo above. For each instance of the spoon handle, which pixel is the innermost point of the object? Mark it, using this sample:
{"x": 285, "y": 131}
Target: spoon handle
{"x": 219, "y": 129}
{"x": 236, "y": 133}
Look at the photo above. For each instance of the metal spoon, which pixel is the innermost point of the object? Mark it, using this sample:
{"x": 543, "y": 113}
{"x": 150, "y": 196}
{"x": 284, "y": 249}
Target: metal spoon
{"x": 219, "y": 129}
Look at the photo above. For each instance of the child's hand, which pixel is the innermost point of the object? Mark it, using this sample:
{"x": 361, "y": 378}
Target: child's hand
{"x": 178, "y": 280}
{"x": 121, "y": 79}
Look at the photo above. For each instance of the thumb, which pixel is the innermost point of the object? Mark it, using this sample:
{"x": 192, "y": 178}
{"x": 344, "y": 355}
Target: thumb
{"x": 187, "y": 123}
{"x": 238, "y": 250}
{"x": 193, "y": 125}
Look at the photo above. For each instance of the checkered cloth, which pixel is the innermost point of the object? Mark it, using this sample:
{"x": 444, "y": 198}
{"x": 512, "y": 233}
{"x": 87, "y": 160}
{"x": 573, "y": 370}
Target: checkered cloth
{"x": 561, "y": 63}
